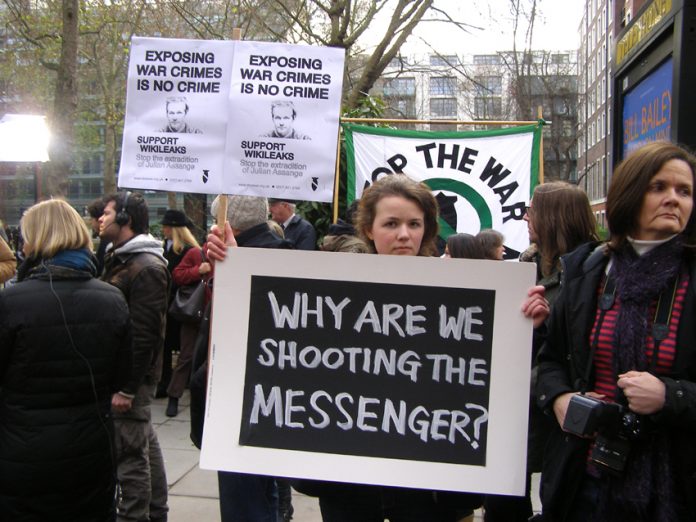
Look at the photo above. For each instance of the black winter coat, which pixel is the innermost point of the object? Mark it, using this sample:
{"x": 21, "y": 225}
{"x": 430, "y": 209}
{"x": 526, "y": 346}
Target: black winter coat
{"x": 563, "y": 360}
{"x": 258, "y": 236}
{"x": 64, "y": 349}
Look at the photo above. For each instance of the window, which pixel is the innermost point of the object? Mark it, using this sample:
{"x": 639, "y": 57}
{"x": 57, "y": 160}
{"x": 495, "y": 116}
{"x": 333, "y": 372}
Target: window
{"x": 560, "y": 106}
{"x": 400, "y": 87}
{"x": 489, "y": 85}
{"x": 439, "y": 60}
{"x": 443, "y": 85}
{"x": 487, "y": 59}
{"x": 92, "y": 188}
{"x": 402, "y": 107}
{"x": 73, "y": 188}
{"x": 443, "y": 107}
{"x": 560, "y": 58}
{"x": 488, "y": 108}
{"x": 604, "y": 125}
{"x": 604, "y": 90}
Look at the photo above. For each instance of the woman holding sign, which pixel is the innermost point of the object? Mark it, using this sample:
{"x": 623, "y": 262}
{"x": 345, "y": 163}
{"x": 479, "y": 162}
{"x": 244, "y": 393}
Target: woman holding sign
{"x": 396, "y": 216}
{"x": 618, "y": 369}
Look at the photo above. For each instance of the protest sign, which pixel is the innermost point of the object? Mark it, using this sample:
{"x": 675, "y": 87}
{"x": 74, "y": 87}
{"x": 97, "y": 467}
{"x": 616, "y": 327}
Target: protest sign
{"x": 401, "y": 371}
{"x": 481, "y": 179}
{"x": 232, "y": 117}
{"x": 176, "y": 115}
{"x": 284, "y": 106}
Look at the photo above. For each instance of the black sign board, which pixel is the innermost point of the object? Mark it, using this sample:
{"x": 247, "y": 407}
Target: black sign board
{"x": 370, "y": 369}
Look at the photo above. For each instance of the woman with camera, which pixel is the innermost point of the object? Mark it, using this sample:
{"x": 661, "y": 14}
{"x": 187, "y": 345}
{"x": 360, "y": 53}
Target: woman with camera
{"x": 618, "y": 369}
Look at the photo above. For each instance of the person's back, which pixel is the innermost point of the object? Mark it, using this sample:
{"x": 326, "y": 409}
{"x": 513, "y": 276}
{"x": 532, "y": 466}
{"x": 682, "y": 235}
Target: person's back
{"x": 296, "y": 229}
{"x": 64, "y": 349}
{"x": 52, "y": 436}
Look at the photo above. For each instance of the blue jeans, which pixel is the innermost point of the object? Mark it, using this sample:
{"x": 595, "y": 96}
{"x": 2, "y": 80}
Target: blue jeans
{"x": 247, "y": 498}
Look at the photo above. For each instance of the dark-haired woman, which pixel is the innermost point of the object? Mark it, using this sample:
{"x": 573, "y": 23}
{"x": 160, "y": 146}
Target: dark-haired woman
{"x": 622, "y": 335}
{"x": 64, "y": 350}
{"x": 464, "y": 246}
{"x": 492, "y": 243}
{"x": 559, "y": 219}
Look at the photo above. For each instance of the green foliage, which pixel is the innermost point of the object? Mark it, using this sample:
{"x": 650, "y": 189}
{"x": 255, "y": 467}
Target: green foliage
{"x": 368, "y": 107}
{"x": 156, "y": 230}
{"x": 603, "y": 233}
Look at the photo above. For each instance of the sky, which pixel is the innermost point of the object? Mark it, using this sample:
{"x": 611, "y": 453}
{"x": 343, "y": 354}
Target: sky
{"x": 556, "y": 28}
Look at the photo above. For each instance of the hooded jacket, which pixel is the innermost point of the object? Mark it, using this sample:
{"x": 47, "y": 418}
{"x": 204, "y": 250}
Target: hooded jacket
{"x": 138, "y": 268}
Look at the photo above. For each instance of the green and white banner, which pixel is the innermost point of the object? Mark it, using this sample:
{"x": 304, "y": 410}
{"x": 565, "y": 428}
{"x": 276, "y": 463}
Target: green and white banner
{"x": 481, "y": 179}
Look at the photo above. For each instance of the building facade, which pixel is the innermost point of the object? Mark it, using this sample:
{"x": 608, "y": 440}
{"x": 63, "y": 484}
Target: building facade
{"x": 502, "y": 86}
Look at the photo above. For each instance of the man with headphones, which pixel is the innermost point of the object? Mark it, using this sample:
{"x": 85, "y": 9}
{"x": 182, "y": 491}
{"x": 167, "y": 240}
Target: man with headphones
{"x": 135, "y": 264}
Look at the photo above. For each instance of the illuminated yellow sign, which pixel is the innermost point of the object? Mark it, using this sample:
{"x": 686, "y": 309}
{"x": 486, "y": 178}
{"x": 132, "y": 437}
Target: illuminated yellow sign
{"x": 642, "y": 27}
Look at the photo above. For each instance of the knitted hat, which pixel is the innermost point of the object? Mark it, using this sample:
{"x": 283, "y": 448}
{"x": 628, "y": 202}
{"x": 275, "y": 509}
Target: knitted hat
{"x": 244, "y": 212}
{"x": 175, "y": 218}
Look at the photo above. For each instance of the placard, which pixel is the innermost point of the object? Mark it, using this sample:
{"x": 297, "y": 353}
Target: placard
{"x": 176, "y": 115}
{"x": 232, "y": 117}
{"x": 284, "y": 106}
{"x": 401, "y": 371}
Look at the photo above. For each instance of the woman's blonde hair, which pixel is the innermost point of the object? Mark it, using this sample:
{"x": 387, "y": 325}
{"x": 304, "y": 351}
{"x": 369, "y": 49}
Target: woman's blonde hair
{"x": 182, "y": 238}
{"x": 52, "y": 226}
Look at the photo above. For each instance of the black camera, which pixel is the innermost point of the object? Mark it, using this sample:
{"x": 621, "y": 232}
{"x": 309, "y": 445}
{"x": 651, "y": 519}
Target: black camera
{"x": 586, "y": 415}
{"x": 614, "y": 426}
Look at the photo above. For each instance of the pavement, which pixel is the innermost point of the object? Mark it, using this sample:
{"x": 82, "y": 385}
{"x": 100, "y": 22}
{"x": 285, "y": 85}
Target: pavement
{"x": 193, "y": 492}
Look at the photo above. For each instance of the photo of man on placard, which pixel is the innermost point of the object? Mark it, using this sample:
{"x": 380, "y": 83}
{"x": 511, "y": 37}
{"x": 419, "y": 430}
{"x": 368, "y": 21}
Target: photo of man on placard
{"x": 177, "y": 109}
{"x": 283, "y": 114}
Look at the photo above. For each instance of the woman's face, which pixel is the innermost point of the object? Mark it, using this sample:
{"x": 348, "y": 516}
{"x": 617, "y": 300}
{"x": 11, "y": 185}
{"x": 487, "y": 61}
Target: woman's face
{"x": 398, "y": 227}
{"x": 167, "y": 231}
{"x": 667, "y": 202}
{"x": 533, "y": 238}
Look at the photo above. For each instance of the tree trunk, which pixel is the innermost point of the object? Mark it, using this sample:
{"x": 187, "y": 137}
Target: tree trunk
{"x": 62, "y": 121}
{"x": 194, "y": 207}
{"x": 109, "y": 173}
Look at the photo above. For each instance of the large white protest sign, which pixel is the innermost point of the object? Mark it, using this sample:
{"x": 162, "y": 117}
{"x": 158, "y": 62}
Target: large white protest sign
{"x": 480, "y": 179}
{"x": 401, "y": 371}
{"x": 284, "y": 106}
{"x": 232, "y": 117}
{"x": 176, "y": 115}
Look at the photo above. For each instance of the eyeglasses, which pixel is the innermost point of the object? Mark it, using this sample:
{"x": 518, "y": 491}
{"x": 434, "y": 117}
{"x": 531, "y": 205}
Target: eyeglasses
{"x": 528, "y": 210}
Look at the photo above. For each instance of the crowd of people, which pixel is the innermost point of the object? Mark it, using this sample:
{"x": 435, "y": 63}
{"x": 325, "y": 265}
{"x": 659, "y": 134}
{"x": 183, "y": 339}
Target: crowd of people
{"x": 88, "y": 340}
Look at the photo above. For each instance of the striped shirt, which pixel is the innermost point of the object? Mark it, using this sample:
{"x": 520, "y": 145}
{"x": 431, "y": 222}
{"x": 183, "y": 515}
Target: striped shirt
{"x": 605, "y": 377}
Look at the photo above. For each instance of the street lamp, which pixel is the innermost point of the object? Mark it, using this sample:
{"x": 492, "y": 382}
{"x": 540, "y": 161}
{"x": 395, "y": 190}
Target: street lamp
{"x": 24, "y": 138}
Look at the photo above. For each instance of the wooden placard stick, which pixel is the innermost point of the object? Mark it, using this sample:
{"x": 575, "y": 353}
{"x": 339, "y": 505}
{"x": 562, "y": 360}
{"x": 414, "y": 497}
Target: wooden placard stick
{"x": 222, "y": 207}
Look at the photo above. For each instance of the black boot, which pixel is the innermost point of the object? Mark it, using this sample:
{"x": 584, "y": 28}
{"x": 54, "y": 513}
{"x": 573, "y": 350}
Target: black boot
{"x": 172, "y": 407}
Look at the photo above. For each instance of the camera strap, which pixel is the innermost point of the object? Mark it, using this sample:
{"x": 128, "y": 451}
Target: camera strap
{"x": 660, "y": 327}
{"x": 606, "y": 301}
{"x": 663, "y": 316}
